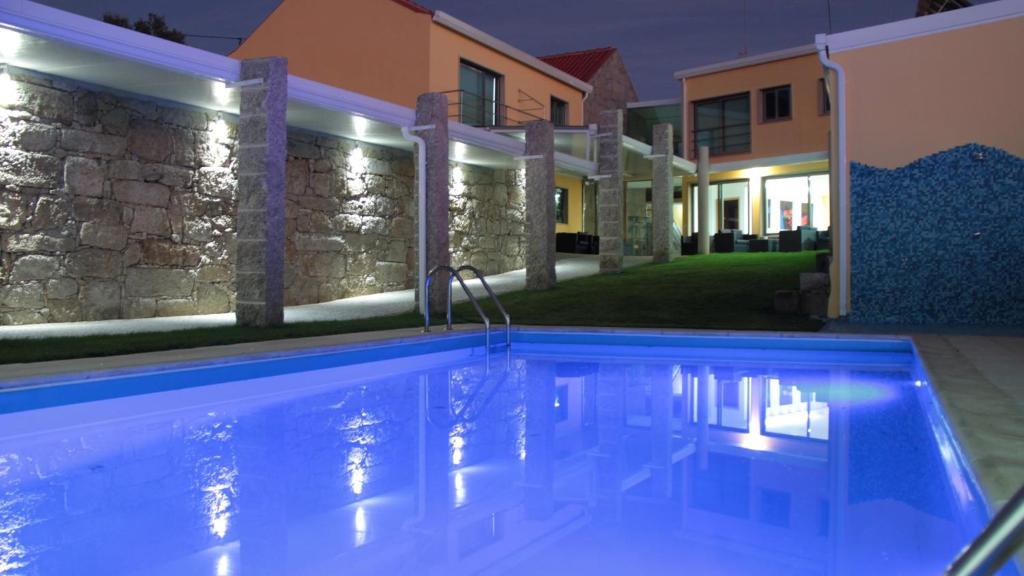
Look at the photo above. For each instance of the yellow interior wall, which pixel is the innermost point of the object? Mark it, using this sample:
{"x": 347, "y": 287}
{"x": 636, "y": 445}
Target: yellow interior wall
{"x": 447, "y": 48}
{"x": 755, "y": 176}
{"x": 575, "y": 186}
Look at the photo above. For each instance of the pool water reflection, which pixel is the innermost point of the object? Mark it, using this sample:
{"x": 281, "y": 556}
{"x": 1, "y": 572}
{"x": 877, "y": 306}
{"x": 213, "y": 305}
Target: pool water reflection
{"x": 536, "y": 462}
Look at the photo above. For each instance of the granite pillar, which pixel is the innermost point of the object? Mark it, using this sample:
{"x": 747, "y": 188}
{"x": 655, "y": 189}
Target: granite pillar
{"x": 540, "y": 206}
{"x": 610, "y": 194}
{"x": 432, "y": 109}
{"x": 661, "y": 195}
{"x": 260, "y": 207}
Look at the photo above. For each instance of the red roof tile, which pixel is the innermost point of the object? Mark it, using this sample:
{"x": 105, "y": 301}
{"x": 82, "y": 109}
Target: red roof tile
{"x": 582, "y": 64}
{"x": 414, "y": 6}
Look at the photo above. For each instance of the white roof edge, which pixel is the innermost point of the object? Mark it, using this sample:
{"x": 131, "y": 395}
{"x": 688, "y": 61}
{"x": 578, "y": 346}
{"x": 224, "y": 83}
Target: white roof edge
{"x": 645, "y": 149}
{"x": 113, "y": 40}
{"x": 453, "y": 23}
{"x": 333, "y": 98}
{"x": 925, "y": 25}
{"x": 576, "y": 165}
{"x": 648, "y": 103}
{"x": 772, "y": 161}
{"x": 746, "y": 61}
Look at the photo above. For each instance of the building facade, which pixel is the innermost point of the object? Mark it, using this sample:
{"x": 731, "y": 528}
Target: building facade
{"x": 605, "y": 70}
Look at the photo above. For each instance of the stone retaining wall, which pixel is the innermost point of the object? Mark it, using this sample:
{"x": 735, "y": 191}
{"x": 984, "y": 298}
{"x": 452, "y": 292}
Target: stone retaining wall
{"x": 111, "y": 207}
{"x": 115, "y": 207}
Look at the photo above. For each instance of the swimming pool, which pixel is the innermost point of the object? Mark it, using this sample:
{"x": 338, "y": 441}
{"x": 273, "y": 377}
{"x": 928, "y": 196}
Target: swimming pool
{"x": 574, "y": 452}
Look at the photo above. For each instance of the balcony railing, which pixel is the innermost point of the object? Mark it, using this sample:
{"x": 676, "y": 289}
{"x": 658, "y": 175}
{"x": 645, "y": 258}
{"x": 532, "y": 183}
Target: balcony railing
{"x": 475, "y": 110}
{"x": 732, "y": 139}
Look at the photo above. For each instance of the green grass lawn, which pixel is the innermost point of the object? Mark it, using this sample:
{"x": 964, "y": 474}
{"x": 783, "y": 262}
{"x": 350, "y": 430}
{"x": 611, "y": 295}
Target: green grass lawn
{"x": 720, "y": 291}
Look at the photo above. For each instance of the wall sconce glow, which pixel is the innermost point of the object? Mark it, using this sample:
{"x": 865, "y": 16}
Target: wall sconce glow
{"x": 10, "y": 43}
{"x": 458, "y": 443}
{"x": 460, "y": 489}
{"x": 9, "y": 93}
{"x": 359, "y": 526}
{"x": 461, "y": 151}
{"x": 221, "y": 93}
{"x": 458, "y": 180}
{"x": 223, "y": 565}
{"x": 360, "y": 125}
{"x": 220, "y": 130}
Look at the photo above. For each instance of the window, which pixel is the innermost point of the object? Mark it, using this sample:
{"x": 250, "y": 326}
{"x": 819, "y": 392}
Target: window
{"x": 480, "y": 96}
{"x": 824, "y": 102}
{"x": 559, "y": 112}
{"x": 776, "y": 104}
{"x": 792, "y": 201}
{"x": 722, "y": 124}
{"x": 562, "y": 205}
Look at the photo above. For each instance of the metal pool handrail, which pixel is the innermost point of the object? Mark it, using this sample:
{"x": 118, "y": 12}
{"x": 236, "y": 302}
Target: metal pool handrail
{"x": 453, "y": 275}
{"x": 996, "y": 544}
{"x": 494, "y": 298}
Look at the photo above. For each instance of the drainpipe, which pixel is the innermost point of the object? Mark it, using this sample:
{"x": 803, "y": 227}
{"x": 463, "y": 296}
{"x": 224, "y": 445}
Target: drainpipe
{"x": 421, "y": 215}
{"x": 841, "y": 238}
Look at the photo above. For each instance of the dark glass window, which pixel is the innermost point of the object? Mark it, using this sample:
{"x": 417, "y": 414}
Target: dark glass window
{"x": 824, "y": 102}
{"x": 776, "y": 104}
{"x": 722, "y": 124}
{"x": 559, "y": 112}
{"x": 562, "y": 205}
{"x": 479, "y": 96}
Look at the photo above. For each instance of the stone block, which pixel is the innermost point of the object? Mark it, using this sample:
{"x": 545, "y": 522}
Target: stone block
{"x": 166, "y": 253}
{"x": 83, "y": 176}
{"x": 158, "y": 283}
{"x": 124, "y": 170}
{"x": 787, "y": 302}
{"x": 150, "y": 141}
{"x": 390, "y": 273}
{"x": 101, "y": 300}
{"x": 29, "y": 170}
{"x": 219, "y": 182}
{"x": 814, "y": 281}
{"x": 144, "y": 193}
{"x": 115, "y": 121}
{"x": 46, "y": 102}
{"x": 212, "y": 273}
{"x": 151, "y": 221}
{"x": 64, "y": 310}
{"x": 61, "y": 288}
{"x": 36, "y": 137}
{"x": 45, "y": 242}
{"x": 212, "y": 299}
{"x": 814, "y": 303}
{"x": 103, "y": 235}
{"x": 23, "y": 317}
{"x": 50, "y": 212}
{"x": 93, "y": 143}
{"x": 34, "y": 267}
{"x": 176, "y": 307}
{"x": 140, "y": 308}
{"x": 93, "y": 263}
{"x": 27, "y": 296}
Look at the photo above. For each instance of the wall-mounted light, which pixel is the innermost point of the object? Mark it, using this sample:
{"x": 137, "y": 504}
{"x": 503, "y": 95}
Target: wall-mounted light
{"x": 9, "y": 93}
{"x": 360, "y": 125}
{"x": 10, "y": 43}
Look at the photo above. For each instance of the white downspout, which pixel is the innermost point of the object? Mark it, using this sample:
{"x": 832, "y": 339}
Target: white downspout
{"x": 421, "y": 215}
{"x": 842, "y": 236}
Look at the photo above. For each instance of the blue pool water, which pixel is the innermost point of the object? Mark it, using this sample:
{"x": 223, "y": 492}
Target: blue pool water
{"x": 571, "y": 454}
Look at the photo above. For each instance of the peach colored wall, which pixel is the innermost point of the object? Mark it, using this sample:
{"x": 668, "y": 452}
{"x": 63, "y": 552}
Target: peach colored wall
{"x": 807, "y": 131}
{"x": 448, "y": 47}
{"x": 378, "y": 48}
{"x": 915, "y": 97}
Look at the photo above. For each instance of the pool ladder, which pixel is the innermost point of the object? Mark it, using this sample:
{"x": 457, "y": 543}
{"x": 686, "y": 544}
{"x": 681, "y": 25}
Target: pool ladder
{"x": 453, "y": 275}
{"x": 996, "y": 544}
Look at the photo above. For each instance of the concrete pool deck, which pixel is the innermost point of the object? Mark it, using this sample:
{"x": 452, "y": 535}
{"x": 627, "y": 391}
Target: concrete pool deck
{"x": 568, "y": 267}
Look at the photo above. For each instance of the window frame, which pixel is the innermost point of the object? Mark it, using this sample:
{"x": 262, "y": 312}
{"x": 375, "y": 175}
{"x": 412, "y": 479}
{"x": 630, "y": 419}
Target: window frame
{"x": 773, "y": 91}
{"x": 498, "y": 118}
{"x": 824, "y": 101}
{"x": 721, "y": 100}
{"x": 564, "y": 192}
{"x": 564, "y": 106}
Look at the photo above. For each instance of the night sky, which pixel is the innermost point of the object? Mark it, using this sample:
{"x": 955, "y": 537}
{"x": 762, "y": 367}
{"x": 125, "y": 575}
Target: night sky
{"x": 656, "y": 37}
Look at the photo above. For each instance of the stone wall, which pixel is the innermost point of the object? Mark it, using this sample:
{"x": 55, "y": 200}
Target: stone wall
{"x": 488, "y": 218}
{"x": 351, "y": 219}
{"x": 111, "y": 207}
{"x": 613, "y": 89}
{"x": 115, "y": 207}
{"x": 938, "y": 241}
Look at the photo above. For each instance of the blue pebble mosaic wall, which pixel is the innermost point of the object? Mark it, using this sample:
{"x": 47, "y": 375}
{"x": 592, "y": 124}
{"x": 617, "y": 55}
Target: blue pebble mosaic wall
{"x": 939, "y": 241}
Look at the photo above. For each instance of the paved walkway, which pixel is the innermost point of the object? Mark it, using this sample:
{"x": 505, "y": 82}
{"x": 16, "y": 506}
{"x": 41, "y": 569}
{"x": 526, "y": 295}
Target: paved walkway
{"x": 569, "y": 266}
